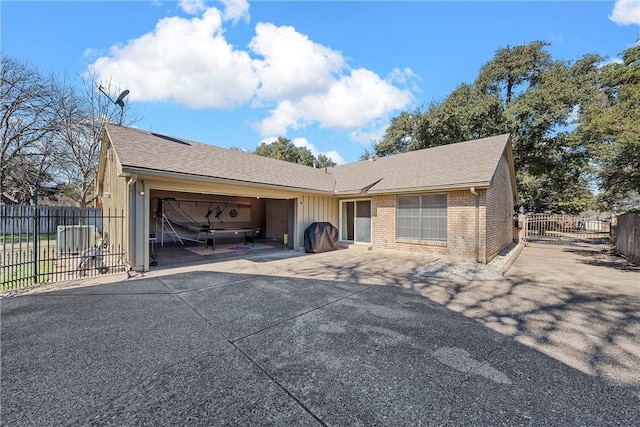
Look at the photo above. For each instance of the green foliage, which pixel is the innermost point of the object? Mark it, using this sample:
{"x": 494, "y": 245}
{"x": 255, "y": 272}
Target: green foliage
{"x": 323, "y": 161}
{"x": 405, "y": 133}
{"x": 524, "y": 92}
{"x": 467, "y": 113}
{"x": 511, "y": 68}
{"x": 611, "y": 128}
{"x": 284, "y": 149}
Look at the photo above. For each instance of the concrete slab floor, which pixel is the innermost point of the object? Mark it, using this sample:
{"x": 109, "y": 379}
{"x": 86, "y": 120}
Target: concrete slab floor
{"x": 289, "y": 339}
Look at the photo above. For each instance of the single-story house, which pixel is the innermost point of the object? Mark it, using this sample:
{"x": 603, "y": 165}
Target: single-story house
{"x": 455, "y": 200}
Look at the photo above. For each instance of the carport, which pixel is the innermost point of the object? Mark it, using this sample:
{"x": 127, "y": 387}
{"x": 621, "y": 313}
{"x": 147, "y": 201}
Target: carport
{"x": 188, "y": 214}
{"x": 169, "y": 188}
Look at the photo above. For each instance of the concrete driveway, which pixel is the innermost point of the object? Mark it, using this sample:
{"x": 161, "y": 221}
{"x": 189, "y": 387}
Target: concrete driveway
{"x": 375, "y": 340}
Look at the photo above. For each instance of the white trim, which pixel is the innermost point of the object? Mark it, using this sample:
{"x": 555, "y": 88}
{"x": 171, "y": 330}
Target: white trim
{"x": 446, "y": 195}
{"x": 159, "y": 174}
{"x": 354, "y": 222}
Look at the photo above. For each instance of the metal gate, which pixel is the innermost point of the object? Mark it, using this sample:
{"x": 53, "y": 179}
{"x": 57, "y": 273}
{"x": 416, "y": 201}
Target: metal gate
{"x": 48, "y": 244}
{"x": 568, "y": 230}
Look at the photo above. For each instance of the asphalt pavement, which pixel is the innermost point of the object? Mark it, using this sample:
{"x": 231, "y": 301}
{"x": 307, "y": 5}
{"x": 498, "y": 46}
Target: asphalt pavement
{"x": 223, "y": 348}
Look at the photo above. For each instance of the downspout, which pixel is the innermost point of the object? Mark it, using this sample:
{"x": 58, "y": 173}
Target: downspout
{"x": 477, "y": 223}
{"x": 132, "y": 179}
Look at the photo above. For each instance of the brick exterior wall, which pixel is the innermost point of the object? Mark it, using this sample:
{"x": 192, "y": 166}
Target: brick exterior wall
{"x": 499, "y": 211}
{"x": 495, "y": 215}
{"x": 460, "y": 226}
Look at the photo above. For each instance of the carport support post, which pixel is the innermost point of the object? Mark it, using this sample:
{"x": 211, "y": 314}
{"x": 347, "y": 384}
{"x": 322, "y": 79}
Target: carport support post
{"x": 146, "y": 218}
{"x": 138, "y": 225}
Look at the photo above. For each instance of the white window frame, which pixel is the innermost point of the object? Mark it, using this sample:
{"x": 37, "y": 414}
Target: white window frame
{"x": 355, "y": 210}
{"x": 421, "y": 218}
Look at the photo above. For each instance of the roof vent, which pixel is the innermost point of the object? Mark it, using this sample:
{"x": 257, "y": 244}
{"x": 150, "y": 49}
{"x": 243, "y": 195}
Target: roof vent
{"x": 109, "y": 154}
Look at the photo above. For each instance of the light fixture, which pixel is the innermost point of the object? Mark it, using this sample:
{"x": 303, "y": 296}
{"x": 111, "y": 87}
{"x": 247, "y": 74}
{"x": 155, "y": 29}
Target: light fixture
{"x": 119, "y": 101}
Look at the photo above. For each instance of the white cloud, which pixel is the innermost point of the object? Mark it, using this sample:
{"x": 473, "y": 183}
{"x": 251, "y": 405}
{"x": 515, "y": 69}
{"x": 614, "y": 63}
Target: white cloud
{"x": 189, "y": 62}
{"x": 192, "y": 7}
{"x": 626, "y": 12}
{"x": 405, "y": 77}
{"x": 206, "y": 72}
{"x": 312, "y": 83}
{"x": 91, "y": 53}
{"x": 371, "y": 134}
{"x": 333, "y": 155}
{"x": 351, "y": 102}
{"x": 235, "y": 10}
{"x": 293, "y": 66}
{"x": 284, "y": 116}
{"x": 611, "y": 61}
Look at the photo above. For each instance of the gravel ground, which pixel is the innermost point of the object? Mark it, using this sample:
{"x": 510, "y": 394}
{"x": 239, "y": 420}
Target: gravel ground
{"x": 469, "y": 271}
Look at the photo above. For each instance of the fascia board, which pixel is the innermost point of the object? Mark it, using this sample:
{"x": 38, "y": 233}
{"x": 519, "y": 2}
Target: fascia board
{"x": 127, "y": 171}
{"x": 482, "y": 185}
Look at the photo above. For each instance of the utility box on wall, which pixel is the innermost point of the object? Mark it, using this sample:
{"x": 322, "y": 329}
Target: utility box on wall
{"x": 517, "y": 222}
{"x": 75, "y": 238}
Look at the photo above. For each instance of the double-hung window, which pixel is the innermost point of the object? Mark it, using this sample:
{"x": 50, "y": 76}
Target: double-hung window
{"x": 422, "y": 217}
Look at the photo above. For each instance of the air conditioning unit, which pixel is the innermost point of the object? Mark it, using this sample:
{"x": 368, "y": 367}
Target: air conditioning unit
{"x": 75, "y": 238}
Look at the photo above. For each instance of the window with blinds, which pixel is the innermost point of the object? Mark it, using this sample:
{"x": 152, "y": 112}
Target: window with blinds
{"x": 422, "y": 217}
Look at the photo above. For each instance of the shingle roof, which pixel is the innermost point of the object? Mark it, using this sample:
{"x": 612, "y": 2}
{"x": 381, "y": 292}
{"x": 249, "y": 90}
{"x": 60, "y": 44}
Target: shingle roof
{"x": 138, "y": 149}
{"x": 462, "y": 164}
{"x": 456, "y": 165}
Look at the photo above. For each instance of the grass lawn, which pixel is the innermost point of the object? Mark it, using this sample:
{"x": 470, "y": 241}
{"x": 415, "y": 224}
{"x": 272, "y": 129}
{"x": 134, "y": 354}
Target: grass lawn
{"x": 16, "y": 259}
{"x": 17, "y": 242}
{"x": 18, "y": 276}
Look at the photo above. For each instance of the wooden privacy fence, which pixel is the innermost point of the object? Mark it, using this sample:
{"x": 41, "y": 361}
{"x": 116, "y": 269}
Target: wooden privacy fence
{"x": 47, "y": 244}
{"x": 628, "y": 235}
{"x": 21, "y": 218}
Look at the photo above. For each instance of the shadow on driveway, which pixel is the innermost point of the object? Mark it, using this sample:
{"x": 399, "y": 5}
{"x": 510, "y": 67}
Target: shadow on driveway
{"x": 221, "y": 348}
{"x": 580, "y": 307}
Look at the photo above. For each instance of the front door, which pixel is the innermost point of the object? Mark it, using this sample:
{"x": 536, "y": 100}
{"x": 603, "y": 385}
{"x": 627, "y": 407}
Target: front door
{"x": 355, "y": 221}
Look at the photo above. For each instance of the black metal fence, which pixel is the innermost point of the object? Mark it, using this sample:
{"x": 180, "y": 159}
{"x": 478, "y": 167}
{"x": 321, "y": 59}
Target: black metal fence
{"x": 568, "y": 230}
{"x": 50, "y": 244}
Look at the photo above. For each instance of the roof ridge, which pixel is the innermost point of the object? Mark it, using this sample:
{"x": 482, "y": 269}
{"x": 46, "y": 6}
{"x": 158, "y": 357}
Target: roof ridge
{"x": 212, "y": 146}
{"x": 451, "y": 145}
{"x": 143, "y": 150}
{"x": 444, "y": 166}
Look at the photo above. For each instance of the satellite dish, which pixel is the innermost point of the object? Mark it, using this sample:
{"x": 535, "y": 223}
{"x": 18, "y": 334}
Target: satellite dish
{"x": 119, "y": 101}
{"x": 122, "y": 96}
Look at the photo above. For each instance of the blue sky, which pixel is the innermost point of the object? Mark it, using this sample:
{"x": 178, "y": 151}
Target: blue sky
{"x": 328, "y": 75}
